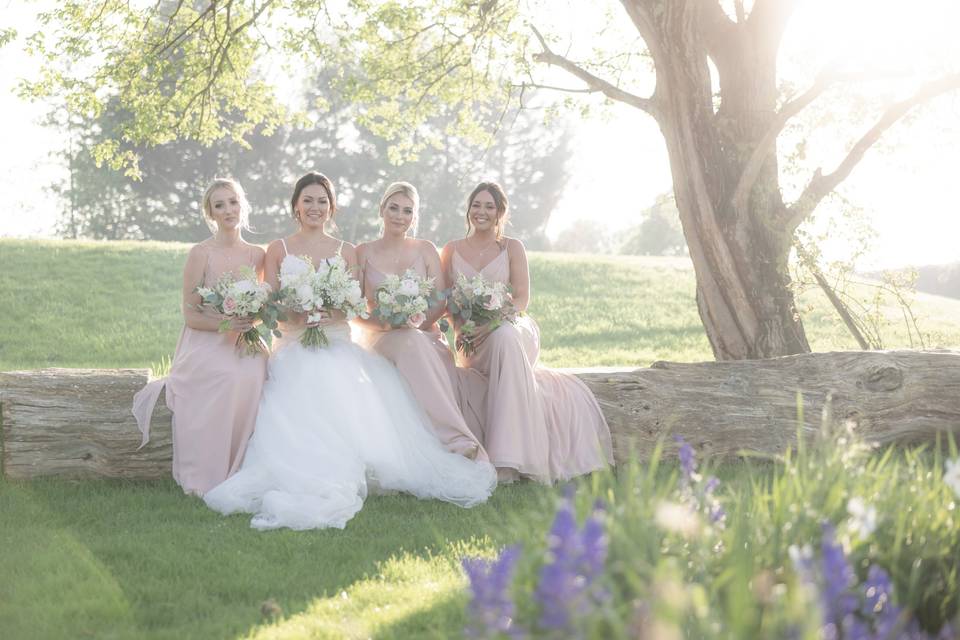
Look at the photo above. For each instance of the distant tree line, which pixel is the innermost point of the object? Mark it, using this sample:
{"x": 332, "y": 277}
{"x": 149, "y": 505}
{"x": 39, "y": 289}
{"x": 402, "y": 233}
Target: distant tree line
{"x": 657, "y": 234}
{"x": 527, "y": 157}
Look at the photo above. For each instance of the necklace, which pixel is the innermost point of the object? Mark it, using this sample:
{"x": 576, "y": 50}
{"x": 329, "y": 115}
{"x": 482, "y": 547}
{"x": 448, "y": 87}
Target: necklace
{"x": 481, "y": 252}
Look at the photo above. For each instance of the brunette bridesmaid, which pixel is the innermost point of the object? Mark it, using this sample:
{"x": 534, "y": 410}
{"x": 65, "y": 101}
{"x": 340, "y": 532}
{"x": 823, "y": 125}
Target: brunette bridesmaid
{"x": 213, "y": 388}
{"x": 539, "y": 424}
{"x": 422, "y": 358}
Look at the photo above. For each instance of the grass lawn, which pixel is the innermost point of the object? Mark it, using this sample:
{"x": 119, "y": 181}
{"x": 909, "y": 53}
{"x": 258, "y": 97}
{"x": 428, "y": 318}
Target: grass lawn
{"x": 117, "y": 304}
{"x": 108, "y": 559}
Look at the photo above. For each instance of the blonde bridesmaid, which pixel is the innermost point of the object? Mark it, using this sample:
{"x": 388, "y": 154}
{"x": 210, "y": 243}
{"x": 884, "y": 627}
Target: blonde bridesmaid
{"x": 213, "y": 388}
{"x": 422, "y": 358}
{"x": 538, "y": 424}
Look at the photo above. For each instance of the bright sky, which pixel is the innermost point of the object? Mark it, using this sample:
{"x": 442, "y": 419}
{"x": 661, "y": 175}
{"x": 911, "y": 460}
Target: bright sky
{"x": 619, "y": 157}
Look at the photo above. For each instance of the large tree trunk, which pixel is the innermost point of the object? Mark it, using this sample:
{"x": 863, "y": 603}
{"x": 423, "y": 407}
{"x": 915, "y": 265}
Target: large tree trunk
{"x": 77, "y": 422}
{"x": 739, "y": 254}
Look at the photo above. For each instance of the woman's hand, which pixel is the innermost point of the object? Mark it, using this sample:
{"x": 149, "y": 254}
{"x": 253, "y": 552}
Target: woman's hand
{"x": 318, "y": 318}
{"x": 323, "y": 317}
{"x": 241, "y": 325}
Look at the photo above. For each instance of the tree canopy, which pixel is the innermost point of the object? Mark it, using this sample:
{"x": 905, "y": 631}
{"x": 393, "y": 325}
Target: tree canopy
{"x": 706, "y": 70}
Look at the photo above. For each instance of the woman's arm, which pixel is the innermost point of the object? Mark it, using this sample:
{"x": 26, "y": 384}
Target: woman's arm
{"x": 519, "y": 274}
{"x": 271, "y": 265}
{"x": 371, "y": 323}
{"x": 193, "y": 316}
{"x": 259, "y": 258}
{"x": 434, "y": 270}
{"x": 271, "y": 275}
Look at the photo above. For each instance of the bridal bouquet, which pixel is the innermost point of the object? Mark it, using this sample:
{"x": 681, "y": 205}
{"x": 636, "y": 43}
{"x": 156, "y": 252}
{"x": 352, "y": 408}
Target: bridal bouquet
{"x": 478, "y": 304}
{"x": 329, "y": 287}
{"x": 242, "y": 295}
{"x": 402, "y": 301}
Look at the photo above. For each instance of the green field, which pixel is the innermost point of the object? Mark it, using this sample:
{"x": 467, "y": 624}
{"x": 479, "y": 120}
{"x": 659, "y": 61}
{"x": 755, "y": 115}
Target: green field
{"x": 97, "y": 304}
{"x": 109, "y": 559}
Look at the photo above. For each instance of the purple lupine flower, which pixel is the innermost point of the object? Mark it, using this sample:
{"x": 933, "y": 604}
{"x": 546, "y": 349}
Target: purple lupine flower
{"x": 716, "y": 513}
{"x": 594, "y": 538}
{"x": 491, "y": 609}
{"x": 688, "y": 459}
{"x": 711, "y": 485}
{"x": 878, "y": 602}
{"x": 568, "y": 585}
{"x": 869, "y": 614}
{"x": 836, "y": 598}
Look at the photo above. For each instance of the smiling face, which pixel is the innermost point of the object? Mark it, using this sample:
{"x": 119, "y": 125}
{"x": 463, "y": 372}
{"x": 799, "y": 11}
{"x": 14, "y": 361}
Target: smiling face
{"x": 483, "y": 214}
{"x": 313, "y": 206}
{"x": 225, "y": 208}
{"x": 398, "y": 213}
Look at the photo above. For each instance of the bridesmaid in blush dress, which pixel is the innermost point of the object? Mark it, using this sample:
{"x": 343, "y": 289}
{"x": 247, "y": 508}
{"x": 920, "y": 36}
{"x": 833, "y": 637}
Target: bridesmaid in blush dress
{"x": 335, "y": 423}
{"x": 539, "y": 424}
{"x": 420, "y": 355}
{"x": 213, "y": 389}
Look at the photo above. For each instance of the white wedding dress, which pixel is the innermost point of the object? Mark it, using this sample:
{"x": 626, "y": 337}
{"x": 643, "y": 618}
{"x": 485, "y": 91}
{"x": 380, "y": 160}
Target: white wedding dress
{"x": 334, "y": 424}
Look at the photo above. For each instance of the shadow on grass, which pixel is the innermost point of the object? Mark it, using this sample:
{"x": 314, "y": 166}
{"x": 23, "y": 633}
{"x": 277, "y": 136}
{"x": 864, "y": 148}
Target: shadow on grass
{"x": 176, "y": 569}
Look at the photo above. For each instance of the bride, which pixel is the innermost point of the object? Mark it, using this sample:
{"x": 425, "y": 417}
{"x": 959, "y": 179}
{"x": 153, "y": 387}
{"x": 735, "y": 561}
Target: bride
{"x": 337, "y": 422}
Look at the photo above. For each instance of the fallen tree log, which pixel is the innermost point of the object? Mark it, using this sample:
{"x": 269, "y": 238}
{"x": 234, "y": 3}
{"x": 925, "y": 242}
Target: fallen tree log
{"x": 77, "y": 422}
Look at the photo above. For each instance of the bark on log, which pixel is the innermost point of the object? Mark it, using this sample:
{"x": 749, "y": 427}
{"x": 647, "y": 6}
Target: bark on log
{"x": 726, "y": 408}
{"x": 77, "y": 422}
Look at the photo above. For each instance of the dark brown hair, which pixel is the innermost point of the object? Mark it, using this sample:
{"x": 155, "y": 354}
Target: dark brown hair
{"x": 314, "y": 177}
{"x": 499, "y": 198}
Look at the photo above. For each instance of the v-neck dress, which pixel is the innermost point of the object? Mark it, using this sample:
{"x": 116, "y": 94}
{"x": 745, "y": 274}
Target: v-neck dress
{"x": 213, "y": 392}
{"x": 541, "y": 423}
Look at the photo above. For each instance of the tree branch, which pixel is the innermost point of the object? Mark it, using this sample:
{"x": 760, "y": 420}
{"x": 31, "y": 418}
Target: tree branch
{"x": 642, "y": 18}
{"x": 820, "y": 185}
{"x": 550, "y": 87}
{"x": 770, "y": 17}
{"x": 595, "y": 83}
{"x": 717, "y": 30}
{"x": 767, "y": 143}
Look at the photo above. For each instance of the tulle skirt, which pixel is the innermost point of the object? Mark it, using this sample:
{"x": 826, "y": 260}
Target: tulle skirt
{"x": 334, "y": 424}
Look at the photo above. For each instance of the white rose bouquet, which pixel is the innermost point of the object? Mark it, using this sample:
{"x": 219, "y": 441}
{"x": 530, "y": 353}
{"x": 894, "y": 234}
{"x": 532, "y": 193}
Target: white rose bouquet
{"x": 329, "y": 287}
{"x": 242, "y": 295}
{"x": 402, "y": 301}
{"x": 479, "y": 306}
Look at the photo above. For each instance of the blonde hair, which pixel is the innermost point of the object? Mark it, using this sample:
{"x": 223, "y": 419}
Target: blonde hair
{"x": 499, "y": 198}
{"x": 407, "y": 189}
{"x": 233, "y": 185}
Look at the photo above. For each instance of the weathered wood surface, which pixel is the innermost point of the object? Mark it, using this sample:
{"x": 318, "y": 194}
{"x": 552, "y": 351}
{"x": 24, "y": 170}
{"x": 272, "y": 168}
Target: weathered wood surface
{"x": 724, "y": 408}
{"x": 77, "y": 422}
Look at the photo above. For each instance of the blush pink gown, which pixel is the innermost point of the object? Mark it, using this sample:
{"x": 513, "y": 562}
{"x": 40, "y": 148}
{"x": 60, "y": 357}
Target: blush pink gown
{"x": 427, "y": 365}
{"x": 213, "y": 391}
{"x": 540, "y": 423}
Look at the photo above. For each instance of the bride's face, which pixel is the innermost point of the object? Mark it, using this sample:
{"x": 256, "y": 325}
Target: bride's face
{"x": 398, "y": 214}
{"x": 313, "y": 207}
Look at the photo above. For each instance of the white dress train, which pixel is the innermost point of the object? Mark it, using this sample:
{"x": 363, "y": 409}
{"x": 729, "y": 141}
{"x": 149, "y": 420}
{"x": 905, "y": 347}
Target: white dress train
{"x": 335, "y": 423}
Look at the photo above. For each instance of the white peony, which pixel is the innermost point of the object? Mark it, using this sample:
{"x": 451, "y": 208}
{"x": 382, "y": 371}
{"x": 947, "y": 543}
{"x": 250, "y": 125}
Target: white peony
{"x": 408, "y": 288}
{"x": 294, "y": 267}
{"x": 304, "y": 294}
